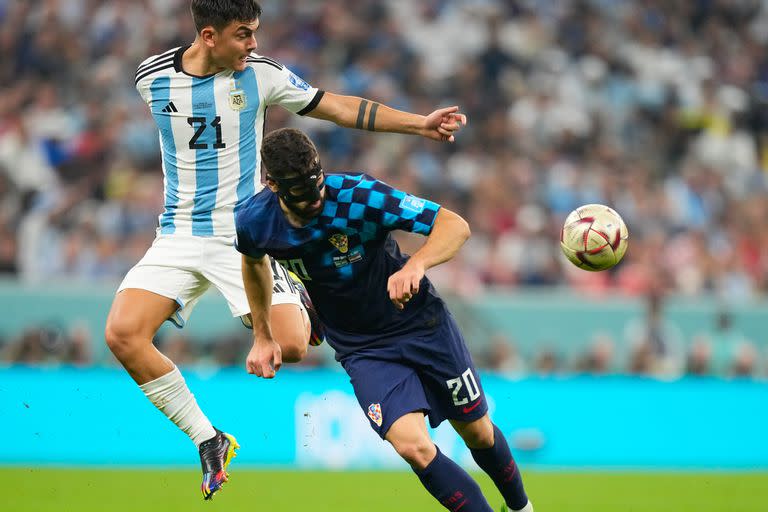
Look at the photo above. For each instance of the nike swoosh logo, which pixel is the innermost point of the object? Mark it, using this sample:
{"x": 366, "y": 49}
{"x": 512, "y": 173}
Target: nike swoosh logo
{"x": 471, "y": 407}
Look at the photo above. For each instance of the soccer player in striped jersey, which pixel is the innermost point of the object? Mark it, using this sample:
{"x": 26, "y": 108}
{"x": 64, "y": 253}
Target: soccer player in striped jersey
{"x": 209, "y": 101}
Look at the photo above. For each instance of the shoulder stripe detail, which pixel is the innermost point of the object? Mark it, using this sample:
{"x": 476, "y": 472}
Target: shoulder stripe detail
{"x": 270, "y": 59}
{"x": 152, "y": 71}
{"x": 261, "y": 57}
{"x": 265, "y": 61}
{"x": 158, "y": 57}
{"x": 168, "y": 52}
{"x": 168, "y": 58}
{"x": 158, "y": 65}
{"x": 257, "y": 56}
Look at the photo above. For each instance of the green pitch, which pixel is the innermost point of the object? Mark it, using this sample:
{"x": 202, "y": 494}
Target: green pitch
{"x": 108, "y": 490}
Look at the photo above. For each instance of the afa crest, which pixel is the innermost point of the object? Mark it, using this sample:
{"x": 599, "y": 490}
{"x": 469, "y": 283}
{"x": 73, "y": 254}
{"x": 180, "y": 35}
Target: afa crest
{"x": 341, "y": 242}
{"x": 374, "y": 412}
{"x": 237, "y": 99}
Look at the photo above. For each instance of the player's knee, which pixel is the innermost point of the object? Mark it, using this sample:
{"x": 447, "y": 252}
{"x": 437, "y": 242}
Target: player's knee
{"x": 479, "y": 440}
{"x": 294, "y": 351}
{"x": 418, "y": 453}
{"x": 478, "y": 435}
{"x": 290, "y": 331}
{"x": 120, "y": 337}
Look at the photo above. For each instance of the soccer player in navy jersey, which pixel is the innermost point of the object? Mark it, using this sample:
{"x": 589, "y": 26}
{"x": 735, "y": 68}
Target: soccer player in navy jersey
{"x": 209, "y": 100}
{"x": 391, "y": 331}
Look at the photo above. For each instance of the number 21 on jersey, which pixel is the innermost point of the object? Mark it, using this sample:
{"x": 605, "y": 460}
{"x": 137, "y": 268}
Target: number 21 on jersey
{"x": 200, "y": 123}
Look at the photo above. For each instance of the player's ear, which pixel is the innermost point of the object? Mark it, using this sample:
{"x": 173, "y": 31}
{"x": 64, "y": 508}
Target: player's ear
{"x": 208, "y": 36}
{"x": 271, "y": 184}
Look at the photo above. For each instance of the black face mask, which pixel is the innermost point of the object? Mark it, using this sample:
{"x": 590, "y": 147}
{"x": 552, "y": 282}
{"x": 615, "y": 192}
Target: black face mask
{"x": 301, "y": 188}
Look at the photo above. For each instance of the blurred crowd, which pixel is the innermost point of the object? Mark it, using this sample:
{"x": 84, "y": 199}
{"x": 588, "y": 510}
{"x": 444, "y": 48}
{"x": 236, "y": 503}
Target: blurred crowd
{"x": 649, "y": 345}
{"x": 658, "y": 108}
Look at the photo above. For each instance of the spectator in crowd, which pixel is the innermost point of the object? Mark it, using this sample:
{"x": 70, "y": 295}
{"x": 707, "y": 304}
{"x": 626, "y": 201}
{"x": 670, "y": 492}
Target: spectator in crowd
{"x": 547, "y": 362}
{"x": 598, "y": 360}
{"x": 502, "y": 356}
{"x": 727, "y": 345}
{"x": 656, "y": 344}
{"x": 699, "y": 362}
{"x": 745, "y": 362}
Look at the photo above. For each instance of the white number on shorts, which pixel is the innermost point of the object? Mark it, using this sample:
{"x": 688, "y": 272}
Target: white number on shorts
{"x": 473, "y": 390}
{"x": 297, "y": 267}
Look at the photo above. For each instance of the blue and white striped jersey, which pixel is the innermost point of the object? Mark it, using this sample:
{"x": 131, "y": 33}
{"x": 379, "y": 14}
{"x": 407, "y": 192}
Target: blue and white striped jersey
{"x": 211, "y": 129}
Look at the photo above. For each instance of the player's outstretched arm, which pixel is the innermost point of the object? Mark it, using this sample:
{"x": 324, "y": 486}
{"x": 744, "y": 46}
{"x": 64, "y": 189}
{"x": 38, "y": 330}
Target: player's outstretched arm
{"x": 449, "y": 232}
{"x": 265, "y": 357}
{"x": 363, "y": 114}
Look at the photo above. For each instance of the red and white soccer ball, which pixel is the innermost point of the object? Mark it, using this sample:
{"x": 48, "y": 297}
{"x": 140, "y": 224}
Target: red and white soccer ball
{"x": 594, "y": 237}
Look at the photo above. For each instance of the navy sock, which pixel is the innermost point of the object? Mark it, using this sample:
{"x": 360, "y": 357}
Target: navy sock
{"x": 452, "y": 486}
{"x": 497, "y": 461}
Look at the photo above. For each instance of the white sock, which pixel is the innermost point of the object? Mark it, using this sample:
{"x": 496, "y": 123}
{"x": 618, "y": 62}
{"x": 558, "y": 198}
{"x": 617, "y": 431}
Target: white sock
{"x": 527, "y": 508}
{"x": 171, "y": 395}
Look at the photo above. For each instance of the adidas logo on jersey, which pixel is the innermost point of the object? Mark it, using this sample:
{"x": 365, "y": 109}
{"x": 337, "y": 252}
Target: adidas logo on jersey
{"x": 170, "y": 107}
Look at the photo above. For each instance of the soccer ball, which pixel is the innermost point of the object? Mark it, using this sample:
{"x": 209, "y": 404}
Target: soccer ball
{"x": 594, "y": 237}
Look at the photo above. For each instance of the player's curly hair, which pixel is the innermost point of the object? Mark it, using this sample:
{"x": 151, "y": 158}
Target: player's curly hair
{"x": 220, "y": 13}
{"x": 286, "y": 152}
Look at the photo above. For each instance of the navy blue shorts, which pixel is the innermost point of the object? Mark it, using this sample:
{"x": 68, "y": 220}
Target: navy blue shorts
{"x": 430, "y": 371}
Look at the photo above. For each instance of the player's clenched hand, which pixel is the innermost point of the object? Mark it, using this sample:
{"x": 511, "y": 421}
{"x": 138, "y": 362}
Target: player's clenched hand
{"x": 264, "y": 358}
{"x": 404, "y": 284}
{"x": 443, "y": 123}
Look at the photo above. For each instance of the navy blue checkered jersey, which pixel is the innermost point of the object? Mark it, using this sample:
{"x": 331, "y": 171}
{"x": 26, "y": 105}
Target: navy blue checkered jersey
{"x": 346, "y": 255}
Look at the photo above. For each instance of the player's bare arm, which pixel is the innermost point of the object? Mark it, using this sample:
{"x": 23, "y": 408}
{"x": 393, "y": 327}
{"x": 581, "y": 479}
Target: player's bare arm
{"x": 265, "y": 357}
{"x": 364, "y": 114}
{"x": 449, "y": 233}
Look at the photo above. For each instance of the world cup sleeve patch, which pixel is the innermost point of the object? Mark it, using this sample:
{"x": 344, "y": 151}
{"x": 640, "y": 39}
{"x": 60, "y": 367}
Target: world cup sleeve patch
{"x": 413, "y": 204}
{"x": 298, "y": 82}
{"x": 374, "y": 412}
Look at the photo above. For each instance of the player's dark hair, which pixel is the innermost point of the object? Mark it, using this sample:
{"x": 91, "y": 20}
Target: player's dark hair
{"x": 220, "y": 13}
{"x": 287, "y": 151}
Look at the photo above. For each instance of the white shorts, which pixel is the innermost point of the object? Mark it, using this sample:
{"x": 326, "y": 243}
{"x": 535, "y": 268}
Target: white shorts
{"x": 183, "y": 267}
